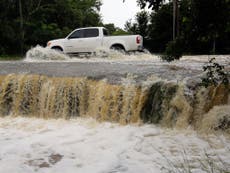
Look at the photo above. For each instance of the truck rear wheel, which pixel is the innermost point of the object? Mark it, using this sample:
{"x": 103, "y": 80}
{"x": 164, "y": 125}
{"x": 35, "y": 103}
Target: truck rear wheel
{"x": 118, "y": 48}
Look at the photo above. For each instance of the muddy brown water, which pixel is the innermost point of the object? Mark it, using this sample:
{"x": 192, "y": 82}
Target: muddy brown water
{"x": 136, "y": 89}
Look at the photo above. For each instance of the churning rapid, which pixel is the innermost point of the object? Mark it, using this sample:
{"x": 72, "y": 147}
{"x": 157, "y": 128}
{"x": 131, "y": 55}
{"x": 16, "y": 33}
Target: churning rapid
{"x": 168, "y": 103}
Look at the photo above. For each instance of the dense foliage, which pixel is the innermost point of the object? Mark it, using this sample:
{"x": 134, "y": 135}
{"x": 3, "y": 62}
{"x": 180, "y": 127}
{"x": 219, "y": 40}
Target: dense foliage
{"x": 154, "y": 4}
{"x": 204, "y": 26}
{"x": 25, "y": 23}
{"x": 174, "y": 50}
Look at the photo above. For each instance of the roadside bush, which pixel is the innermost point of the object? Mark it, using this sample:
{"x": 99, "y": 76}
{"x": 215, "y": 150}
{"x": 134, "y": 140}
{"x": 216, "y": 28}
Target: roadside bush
{"x": 214, "y": 74}
{"x": 174, "y": 50}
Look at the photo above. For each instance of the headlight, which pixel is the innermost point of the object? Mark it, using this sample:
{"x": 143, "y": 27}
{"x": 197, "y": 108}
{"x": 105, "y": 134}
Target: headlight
{"x": 49, "y": 43}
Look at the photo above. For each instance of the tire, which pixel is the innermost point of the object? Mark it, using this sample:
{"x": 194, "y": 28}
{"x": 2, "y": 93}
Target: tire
{"x": 118, "y": 48}
{"x": 58, "y": 49}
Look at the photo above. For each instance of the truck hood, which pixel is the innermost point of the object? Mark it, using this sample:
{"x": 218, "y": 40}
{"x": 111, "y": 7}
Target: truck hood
{"x": 56, "y": 41}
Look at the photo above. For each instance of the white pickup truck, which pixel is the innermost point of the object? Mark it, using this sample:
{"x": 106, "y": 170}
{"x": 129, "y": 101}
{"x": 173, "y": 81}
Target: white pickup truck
{"x": 86, "y": 40}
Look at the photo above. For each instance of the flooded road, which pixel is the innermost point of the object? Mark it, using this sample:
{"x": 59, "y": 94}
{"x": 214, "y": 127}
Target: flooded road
{"x": 113, "y": 71}
{"x": 114, "y": 66}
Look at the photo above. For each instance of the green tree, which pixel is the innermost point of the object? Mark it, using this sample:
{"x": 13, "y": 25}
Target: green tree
{"x": 110, "y": 27}
{"x": 120, "y": 31}
{"x": 210, "y": 21}
{"x": 9, "y": 39}
{"x": 26, "y": 23}
{"x": 153, "y": 4}
{"x": 204, "y": 25}
{"x": 142, "y": 23}
{"x": 160, "y": 28}
{"x": 130, "y": 27}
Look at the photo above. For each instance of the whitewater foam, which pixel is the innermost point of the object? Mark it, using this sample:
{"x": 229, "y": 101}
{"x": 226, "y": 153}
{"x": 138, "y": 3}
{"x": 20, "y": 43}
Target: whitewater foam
{"x": 188, "y": 63}
{"x": 39, "y": 53}
{"x": 85, "y": 145}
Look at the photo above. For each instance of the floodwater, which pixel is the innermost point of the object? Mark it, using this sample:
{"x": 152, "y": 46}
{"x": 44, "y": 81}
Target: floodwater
{"x": 85, "y": 145}
{"x": 113, "y": 66}
{"x": 112, "y": 113}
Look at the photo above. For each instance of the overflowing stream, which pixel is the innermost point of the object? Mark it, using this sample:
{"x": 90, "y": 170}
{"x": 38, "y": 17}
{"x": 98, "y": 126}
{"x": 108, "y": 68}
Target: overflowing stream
{"x": 85, "y": 145}
{"x": 141, "y": 120}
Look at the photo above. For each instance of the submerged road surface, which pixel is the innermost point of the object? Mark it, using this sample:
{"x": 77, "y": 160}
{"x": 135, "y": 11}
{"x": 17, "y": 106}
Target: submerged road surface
{"x": 114, "y": 67}
{"x": 113, "y": 71}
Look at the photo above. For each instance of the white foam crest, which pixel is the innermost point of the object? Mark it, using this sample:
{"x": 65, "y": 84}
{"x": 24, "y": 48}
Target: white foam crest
{"x": 217, "y": 118}
{"x": 107, "y": 55}
{"x": 151, "y": 80}
{"x": 39, "y": 53}
{"x": 129, "y": 80}
{"x": 190, "y": 63}
{"x": 223, "y": 59}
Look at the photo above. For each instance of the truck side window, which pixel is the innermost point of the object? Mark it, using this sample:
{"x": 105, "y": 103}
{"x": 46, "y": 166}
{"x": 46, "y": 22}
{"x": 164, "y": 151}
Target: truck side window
{"x": 105, "y": 32}
{"x": 77, "y": 34}
{"x": 91, "y": 33}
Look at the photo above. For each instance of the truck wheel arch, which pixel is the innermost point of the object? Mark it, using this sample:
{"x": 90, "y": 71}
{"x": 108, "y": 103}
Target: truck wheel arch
{"x": 58, "y": 48}
{"x": 118, "y": 47}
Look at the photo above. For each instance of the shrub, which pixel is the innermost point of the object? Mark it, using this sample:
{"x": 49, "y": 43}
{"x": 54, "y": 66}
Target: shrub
{"x": 214, "y": 74}
{"x": 174, "y": 50}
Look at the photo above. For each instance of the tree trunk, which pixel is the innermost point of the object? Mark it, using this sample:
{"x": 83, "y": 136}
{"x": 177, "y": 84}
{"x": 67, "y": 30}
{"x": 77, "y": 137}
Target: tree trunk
{"x": 214, "y": 46}
{"x": 176, "y": 28}
{"x": 174, "y": 19}
{"x": 21, "y": 28}
{"x": 178, "y": 19}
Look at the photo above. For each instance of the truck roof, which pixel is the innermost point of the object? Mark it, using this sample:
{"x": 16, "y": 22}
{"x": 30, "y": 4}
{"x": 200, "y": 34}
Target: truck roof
{"x": 91, "y": 28}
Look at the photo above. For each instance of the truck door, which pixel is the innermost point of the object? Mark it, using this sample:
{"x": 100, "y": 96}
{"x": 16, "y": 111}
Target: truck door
{"x": 83, "y": 40}
{"x": 91, "y": 40}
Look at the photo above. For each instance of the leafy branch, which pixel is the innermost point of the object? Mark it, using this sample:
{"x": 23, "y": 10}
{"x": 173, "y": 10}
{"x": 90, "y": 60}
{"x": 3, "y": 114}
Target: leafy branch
{"x": 215, "y": 74}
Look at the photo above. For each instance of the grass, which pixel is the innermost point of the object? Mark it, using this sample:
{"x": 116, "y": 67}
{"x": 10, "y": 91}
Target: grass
{"x": 207, "y": 164}
{"x": 10, "y": 57}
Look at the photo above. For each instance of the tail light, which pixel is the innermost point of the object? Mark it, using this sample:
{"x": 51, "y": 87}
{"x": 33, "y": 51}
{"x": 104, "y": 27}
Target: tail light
{"x": 138, "y": 39}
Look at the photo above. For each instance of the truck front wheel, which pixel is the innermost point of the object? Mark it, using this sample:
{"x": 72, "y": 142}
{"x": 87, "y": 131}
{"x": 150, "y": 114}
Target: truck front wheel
{"x": 58, "y": 49}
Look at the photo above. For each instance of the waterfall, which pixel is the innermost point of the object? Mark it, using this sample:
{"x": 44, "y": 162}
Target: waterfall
{"x": 166, "y": 103}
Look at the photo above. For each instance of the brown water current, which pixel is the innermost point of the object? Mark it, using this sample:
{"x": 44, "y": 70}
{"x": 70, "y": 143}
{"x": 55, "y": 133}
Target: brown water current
{"x": 167, "y": 103}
